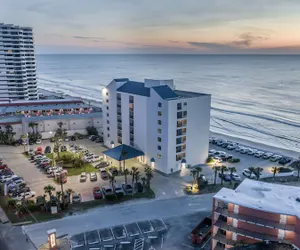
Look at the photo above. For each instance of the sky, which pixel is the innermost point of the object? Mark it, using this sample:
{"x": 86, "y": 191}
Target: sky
{"x": 159, "y": 26}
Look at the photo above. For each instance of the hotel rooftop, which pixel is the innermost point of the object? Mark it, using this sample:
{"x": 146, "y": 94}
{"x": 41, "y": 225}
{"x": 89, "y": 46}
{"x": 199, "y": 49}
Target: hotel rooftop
{"x": 268, "y": 197}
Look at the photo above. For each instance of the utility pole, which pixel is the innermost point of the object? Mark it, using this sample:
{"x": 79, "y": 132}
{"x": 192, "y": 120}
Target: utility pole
{"x": 62, "y": 189}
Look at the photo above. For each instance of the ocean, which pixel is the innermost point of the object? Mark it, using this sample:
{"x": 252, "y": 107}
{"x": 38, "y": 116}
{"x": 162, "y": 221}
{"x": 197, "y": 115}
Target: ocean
{"x": 254, "y": 97}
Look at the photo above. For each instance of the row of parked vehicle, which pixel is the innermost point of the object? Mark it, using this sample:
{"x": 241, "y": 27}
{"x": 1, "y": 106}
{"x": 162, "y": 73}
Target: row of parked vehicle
{"x": 95, "y": 138}
{"x": 219, "y": 156}
{"x": 43, "y": 162}
{"x": 16, "y": 186}
{"x": 250, "y": 151}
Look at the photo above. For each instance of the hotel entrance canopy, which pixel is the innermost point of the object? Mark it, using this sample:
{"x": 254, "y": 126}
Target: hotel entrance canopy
{"x": 123, "y": 152}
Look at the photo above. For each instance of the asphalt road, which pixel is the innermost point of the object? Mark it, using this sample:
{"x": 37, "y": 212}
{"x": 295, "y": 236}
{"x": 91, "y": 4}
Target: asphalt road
{"x": 121, "y": 214}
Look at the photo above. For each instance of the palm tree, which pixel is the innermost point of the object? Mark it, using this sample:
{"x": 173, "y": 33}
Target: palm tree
{"x": 126, "y": 172}
{"x": 274, "y": 170}
{"x": 31, "y": 125}
{"x": 9, "y": 134}
{"x": 196, "y": 174}
{"x": 252, "y": 171}
{"x": 58, "y": 196}
{"x": 137, "y": 176}
{"x": 133, "y": 172}
{"x": 258, "y": 172}
{"x": 231, "y": 170}
{"x": 149, "y": 176}
{"x": 124, "y": 157}
{"x": 112, "y": 181}
{"x": 216, "y": 169}
{"x": 69, "y": 192}
{"x": 223, "y": 169}
{"x": 48, "y": 190}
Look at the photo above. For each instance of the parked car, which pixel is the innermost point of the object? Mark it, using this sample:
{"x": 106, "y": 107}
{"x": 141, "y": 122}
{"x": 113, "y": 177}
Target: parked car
{"x": 97, "y": 193}
{"x": 232, "y": 146}
{"x": 220, "y": 142}
{"x": 275, "y": 158}
{"x": 76, "y": 198}
{"x": 82, "y": 177}
{"x": 127, "y": 188}
{"x": 267, "y": 155}
{"x": 259, "y": 154}
{"x": 63, "y": 148}
{"x": 119, "y": 190}
{"x": 138, "y": 187}
{"x": 80, "y": 137}
{"x": 67, "y": 139}
{"x": 114, "y": 171}
{"x": 99, "y": 140}
{"x": 211, "y": 152}
{"x": 47, "y": 150}
{"x": 251, "y": 151}
{"x": 225, "y": 176}
{"x": 3, "y": 166}
{"x": 285, "y": 160}
{"x": 103, "y": 174}
{"x": 91, "y": 137}
{"x": 93, "y": 176}
{"x": 55, "y": 149}
{"x": 238, "y": 148}
{"x": 244, "y": 150}
{"x": 73, "y": 138}
{"x": 26, "y": 195}
{"x": 247, "y": 173}
{"x": 236, "y": 177}
{"x": 94, "y": 138}
{"x": 103, "y": 164}
{"x": 38, "y": 141}
{"x": 107, "y": 190}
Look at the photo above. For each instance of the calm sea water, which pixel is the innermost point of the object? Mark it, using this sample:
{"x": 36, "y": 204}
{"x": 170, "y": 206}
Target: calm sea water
{"x": 253, "y": 97}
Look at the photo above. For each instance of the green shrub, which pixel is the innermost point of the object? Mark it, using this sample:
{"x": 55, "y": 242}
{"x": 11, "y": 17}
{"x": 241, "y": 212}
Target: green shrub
{"x": 234, "y": 160}
{"x": 209, "y": 160}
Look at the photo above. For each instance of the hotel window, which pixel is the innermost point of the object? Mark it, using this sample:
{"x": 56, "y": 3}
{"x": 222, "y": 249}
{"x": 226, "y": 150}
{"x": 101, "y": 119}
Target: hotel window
{"x": 159, "y": 147}
{"x": 159, "y": 104}
{"x": 159, "y": 113}
{"x": 159, "y": 139}
{"x": 107, "y": 100}
{"x": 107, "y": 128}
{"x": 107, "y": 108}
{"x": 107, "y": 114}
{"x": 179, "y": 106}
{"x": 131, "y": 99}
{"x": 185, "y": 103}
{"x": 159, "y": 122}
{"x": 158, "y": 156}
{"x": 179, "y": 115}
{"x": 119, "y": 97}
{"x": 184, "y": 114}
{"x": 107, "y": 135}
{"x": 107, "y": 121}
{"x": 159, "y": 130}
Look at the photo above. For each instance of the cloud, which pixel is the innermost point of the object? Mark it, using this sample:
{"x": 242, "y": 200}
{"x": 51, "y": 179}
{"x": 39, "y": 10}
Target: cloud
{"x": 173, "y": 41}
{"x": 247, "y": 39}
{"x": 89, "y": 37}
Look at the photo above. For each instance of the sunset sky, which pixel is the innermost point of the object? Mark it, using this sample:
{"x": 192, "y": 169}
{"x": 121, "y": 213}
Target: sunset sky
{"x": 159, "y": 26}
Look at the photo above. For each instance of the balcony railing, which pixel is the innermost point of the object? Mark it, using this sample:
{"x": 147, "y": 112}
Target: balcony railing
{"x": 256, "y": 220}
{"x": 250, "y": 234}
{"x": 222, "y": 238}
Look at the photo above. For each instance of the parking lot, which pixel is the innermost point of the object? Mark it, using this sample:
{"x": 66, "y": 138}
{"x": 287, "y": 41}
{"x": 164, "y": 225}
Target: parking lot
{"x": 36, "y": 178}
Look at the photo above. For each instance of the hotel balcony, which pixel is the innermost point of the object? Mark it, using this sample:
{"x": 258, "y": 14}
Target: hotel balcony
{"x": 255, "y": 220}
{"x": 222, "y": 239}
{"x": 250, "y": 234}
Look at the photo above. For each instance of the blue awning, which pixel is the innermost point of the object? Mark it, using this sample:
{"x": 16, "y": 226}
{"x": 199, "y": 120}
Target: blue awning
{"x": 123, "y": 152}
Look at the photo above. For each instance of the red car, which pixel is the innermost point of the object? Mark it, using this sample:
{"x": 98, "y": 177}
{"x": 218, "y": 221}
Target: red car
{"x": 4, "y": 166}
{"x": 97, "y": 193}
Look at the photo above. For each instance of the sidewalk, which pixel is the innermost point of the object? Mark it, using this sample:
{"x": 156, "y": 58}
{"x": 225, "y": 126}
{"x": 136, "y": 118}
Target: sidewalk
{"x": 3, "y": 217}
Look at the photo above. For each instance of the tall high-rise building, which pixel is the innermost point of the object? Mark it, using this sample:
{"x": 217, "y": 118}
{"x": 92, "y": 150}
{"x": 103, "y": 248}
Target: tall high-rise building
{"x": 17, "y": 63}
{"x": 171, "y": 127}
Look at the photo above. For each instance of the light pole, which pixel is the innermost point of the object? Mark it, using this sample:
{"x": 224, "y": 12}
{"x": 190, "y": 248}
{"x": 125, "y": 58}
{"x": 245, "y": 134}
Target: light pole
{"x": 27, "y": 142}
{"x": 152, "y": 161}
{"x": 112, "y": 144}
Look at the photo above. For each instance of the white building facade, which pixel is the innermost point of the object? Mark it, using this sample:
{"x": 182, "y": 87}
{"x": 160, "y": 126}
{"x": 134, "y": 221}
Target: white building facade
{"x": 170, "y": 126}
{"x": 17, "y": 63}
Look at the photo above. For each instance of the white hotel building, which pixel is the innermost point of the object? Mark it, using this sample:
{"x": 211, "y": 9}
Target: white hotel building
{"x": 17, "y": 63}
{"x": 170, "y": 126}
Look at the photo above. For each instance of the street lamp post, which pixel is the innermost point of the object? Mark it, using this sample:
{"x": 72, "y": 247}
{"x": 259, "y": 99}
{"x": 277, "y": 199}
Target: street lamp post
{"x": 27, "y": 136}
{"x": 112, "y": 144}
{"x": 152, "y": 161}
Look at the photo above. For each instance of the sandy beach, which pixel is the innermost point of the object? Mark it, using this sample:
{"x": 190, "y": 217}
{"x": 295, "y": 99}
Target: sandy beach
{"x": 263, "y": 147}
